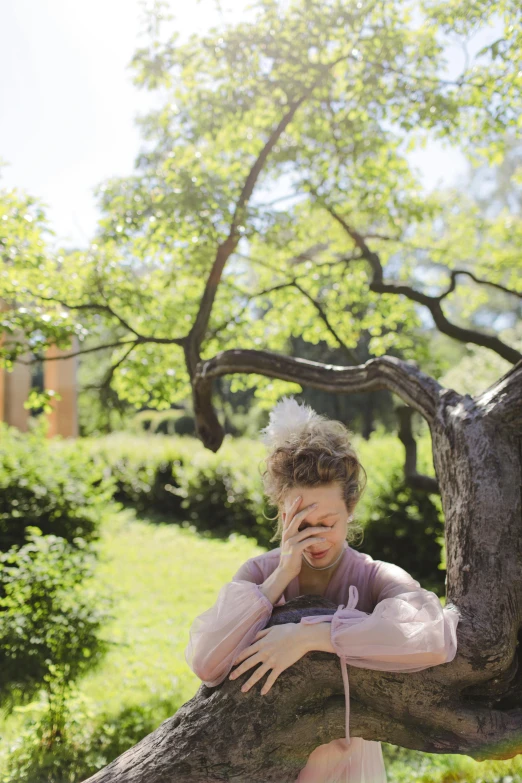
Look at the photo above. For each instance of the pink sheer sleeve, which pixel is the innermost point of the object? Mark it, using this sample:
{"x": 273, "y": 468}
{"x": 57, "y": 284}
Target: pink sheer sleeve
{"x": 408, "y": 630}
{"x": 229, "y": 626}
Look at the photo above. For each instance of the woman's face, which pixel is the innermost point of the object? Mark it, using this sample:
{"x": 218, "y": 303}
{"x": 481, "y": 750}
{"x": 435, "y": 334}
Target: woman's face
{"x": 331, "y": 512}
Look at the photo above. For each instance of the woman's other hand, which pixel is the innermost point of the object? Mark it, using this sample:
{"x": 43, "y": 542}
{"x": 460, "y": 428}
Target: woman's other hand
{"x": 295, "y": 541}
{"x": 276, "y": 648}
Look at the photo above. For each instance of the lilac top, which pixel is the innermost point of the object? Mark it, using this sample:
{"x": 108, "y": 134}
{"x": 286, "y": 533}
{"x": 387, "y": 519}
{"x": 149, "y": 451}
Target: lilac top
{"x": 397, "y": 626}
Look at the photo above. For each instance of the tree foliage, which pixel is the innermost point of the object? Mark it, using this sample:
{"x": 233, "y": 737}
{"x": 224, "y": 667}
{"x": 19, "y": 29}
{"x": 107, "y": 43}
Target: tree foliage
{"x": 186, "y": 262}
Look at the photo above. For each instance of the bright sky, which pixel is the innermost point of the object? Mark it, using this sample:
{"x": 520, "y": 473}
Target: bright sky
{"x": 68, "y": 103}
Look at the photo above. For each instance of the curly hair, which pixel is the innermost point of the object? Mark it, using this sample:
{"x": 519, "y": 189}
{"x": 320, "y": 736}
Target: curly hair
{"x": 320, "y": 454}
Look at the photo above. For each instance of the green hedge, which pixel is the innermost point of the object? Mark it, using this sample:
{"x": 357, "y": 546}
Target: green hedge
{"x": 407, "y": 529}
{"x": 221, "y": 494}
{"x": 218, "y": 494}
{"x": 38, "y": 487}
{"x": 49, "y": 619}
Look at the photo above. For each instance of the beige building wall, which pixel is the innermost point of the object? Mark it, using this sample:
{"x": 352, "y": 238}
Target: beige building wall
{"x": 14, "y": 391}
{"x": 15, "y": 385}
{"x": 60, "y": 375}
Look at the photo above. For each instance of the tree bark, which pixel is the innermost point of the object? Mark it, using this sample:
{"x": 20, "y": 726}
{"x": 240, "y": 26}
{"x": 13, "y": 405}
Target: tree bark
{"x": 472, "y": 705}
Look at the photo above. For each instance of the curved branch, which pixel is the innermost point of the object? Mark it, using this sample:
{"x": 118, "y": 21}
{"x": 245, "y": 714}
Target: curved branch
{"x": 453, "y": 283}
{"x": 384, "y": 372}
{"x": 445, "y": 326}
{"x": 418, "y": 710}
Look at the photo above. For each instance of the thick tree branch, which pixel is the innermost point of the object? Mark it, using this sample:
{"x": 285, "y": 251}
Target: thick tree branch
{"x": 385, "y": 372}
{"x": 419, "y": 710}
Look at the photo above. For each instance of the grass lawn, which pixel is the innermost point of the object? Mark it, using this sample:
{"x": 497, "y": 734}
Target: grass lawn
{"x": 163, "y": 576}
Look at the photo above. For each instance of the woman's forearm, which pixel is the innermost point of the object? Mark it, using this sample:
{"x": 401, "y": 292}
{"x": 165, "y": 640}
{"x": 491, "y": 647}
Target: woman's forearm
{"x": 275, "y": 585}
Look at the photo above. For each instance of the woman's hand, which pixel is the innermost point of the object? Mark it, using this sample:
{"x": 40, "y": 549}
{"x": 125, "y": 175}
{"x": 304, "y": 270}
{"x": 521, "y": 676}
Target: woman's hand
{"x": 295, "y": 541}
{"x": 277, "y": 648}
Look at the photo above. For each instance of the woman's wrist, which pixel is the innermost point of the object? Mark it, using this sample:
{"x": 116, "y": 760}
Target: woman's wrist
{"x": 274, "y": 585}
{"x": 316, "y": 636}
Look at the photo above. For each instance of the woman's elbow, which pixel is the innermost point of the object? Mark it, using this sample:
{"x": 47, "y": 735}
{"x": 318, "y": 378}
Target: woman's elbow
{"x": 206, "y": 672}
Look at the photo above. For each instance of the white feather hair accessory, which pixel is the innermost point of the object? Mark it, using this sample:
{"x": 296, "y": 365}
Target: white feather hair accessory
{"x": 287, "y": 419}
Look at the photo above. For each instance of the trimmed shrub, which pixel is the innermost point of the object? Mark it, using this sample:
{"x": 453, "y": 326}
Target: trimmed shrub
{"x": 38, "y": 487}
{"x": 184, "y": 425}
{"x": 49, "y": 619}
{"x": 407, "y": 528}
{"x": 89, "y": 741}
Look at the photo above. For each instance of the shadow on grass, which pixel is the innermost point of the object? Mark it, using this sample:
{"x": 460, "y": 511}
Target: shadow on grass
{"x": 209, "y": 525}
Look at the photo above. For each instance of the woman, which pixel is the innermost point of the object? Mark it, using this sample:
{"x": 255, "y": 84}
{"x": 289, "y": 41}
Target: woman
{"x": 385, "y": 619}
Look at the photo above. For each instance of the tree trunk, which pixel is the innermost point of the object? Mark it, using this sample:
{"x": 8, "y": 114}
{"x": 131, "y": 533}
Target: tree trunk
{"x": 367, "y": 418}
{"x": 472, "y": 705}
{"x": 412, "y": 478}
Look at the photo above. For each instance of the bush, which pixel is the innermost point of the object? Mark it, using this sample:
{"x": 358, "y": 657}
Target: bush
{"x": 62, "y": 497}
{"x": 88, "y": 743}
{"x": 147, "y": 482}
{"x": 49, "y": 619}
{"x": 220, "y": 498}
{"x": 218, "y": 493}
{"x": 407, "y": 528}
{"x": 185, "y": 425}
{"x": 222, "y": 494}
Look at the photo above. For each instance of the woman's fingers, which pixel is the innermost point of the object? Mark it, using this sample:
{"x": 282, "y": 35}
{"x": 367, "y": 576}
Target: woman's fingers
{"x": 245, "y": 666}
{"x": 300, "y": 515}
{"x": 248, "y": 651}
{"x": 272, "y": 677}
{"x": 291, "y": 510}
{"x": 260, "y": 672}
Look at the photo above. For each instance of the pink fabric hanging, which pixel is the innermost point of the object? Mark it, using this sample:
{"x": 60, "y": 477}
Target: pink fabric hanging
{"x": 349, "y": 612}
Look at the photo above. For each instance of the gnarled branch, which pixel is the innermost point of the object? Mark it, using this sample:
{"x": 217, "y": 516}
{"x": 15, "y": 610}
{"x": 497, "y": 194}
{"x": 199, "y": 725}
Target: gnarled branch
{"x": 415, "y": 710}
{"x": 433, "y": 303}
{"x": 385, "y": 372}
